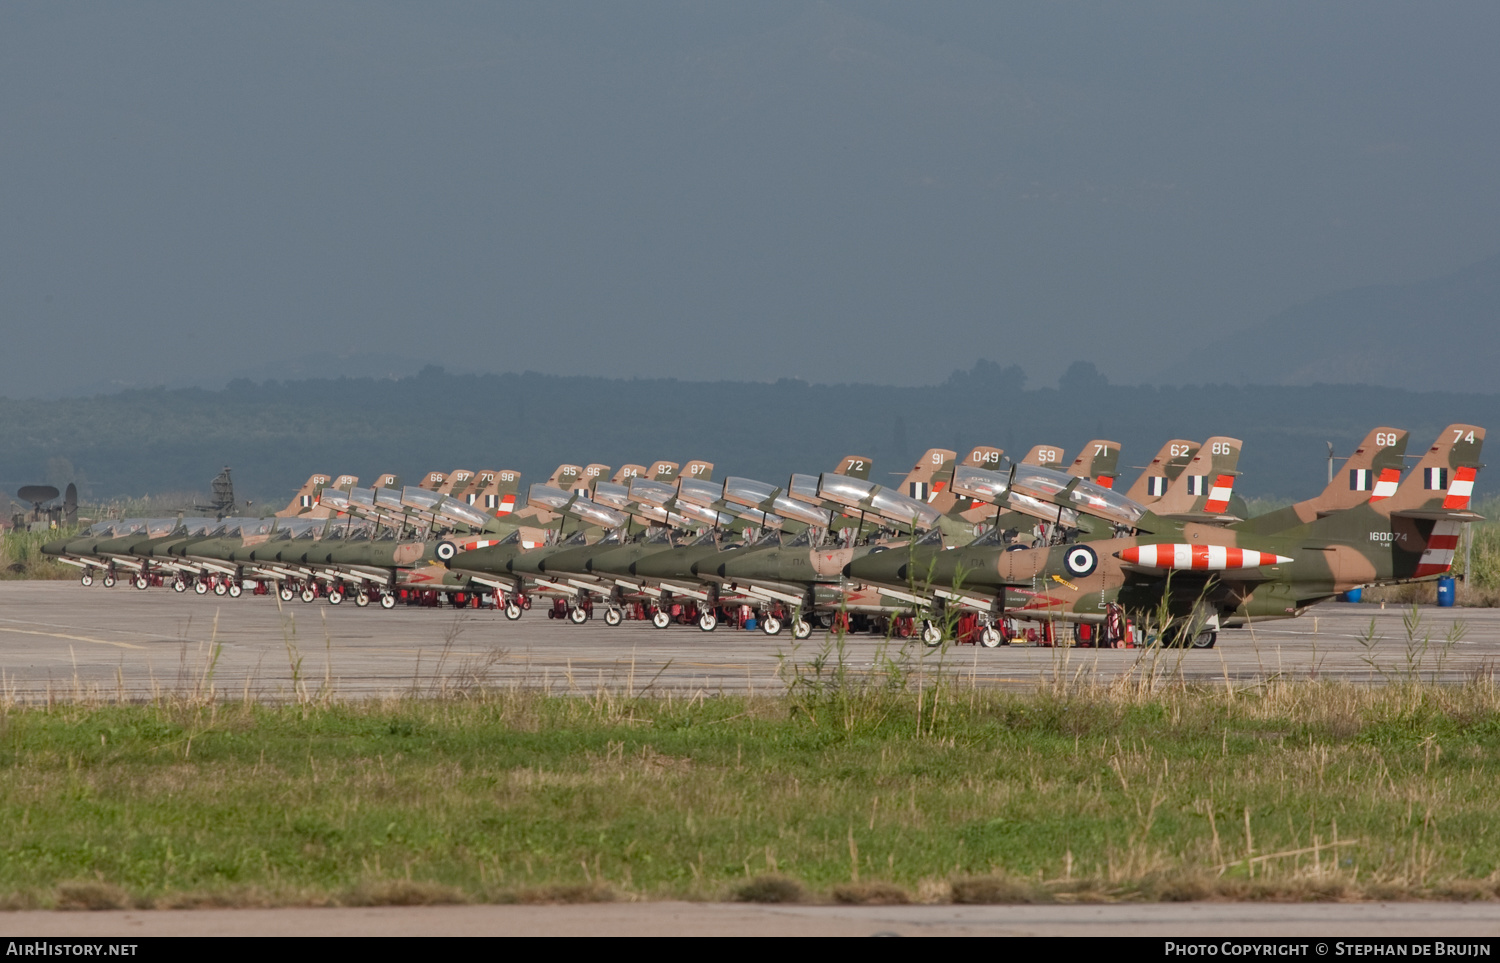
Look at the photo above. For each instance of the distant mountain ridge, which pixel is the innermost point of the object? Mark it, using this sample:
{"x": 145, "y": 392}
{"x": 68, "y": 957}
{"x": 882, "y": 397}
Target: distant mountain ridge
{"x": 276, "y": 433}
{"x": 1440, "y": 334}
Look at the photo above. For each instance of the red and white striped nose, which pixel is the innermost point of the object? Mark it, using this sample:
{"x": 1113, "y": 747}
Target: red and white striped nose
{"x": 1198, "y": 558}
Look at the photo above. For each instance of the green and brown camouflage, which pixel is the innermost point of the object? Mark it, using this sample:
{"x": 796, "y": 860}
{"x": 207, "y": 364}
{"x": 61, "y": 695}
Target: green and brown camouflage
{"x": 1098, "y": 462}
{"x": 456, "y": 483}
{"x": 1163, "y": 470}
{"x": 306, "y": 497}
{"x": 1371, "y": 473}
{"x": 1208, "y": 575}
{"x": 627, "y": 472}
{"x": 975, "y": 513}
{"x": 1202, "y": 491}
{"x": 1044, "y": 456}
{"x": 663, "y": 471}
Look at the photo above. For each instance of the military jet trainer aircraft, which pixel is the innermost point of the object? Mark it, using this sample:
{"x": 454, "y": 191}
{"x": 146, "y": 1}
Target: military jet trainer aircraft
{"x": 1210, "y": 574}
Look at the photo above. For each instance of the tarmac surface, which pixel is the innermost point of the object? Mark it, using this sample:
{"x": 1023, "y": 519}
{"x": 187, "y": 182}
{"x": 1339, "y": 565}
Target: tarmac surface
{"x": 59, "y": 640}
{"x": 1451, "y": 922}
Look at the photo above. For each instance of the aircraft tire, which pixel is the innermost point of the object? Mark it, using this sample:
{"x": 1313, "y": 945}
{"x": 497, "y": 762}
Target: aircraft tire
{"x": 236, "y": 589}
{"x": 990, "y": 637}
{"x": 613, "y": 616}
{"x": 200, "y": 587}
{"x": 387, "y": 600}
{"x": 512, "y": 611}
{"x": 108, "y": 581}
{"x": 179, "y": 585}
{"x": 661, "y": 619}
{"x": 707, "y": 622}
{"x": 801, "y": 629}
{"x": 86, "y": 579}
{"x": 932, "y": 634}
{"x": 140, "y": 582}
{"x": 771, "y": 625}
{"x": 361, "y": 599}
{"x": 308, "y": 594}
{"x": 220, "y": 588}
{"x": 1205, "y": 640}
{"x": 578, "y": 615}
{"x": 285, "y": 593}
{"x": 335, "y": 597}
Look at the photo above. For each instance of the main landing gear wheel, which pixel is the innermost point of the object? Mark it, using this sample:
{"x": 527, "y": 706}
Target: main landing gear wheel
{"x": 87, "y": 578}
{"x": 180, "y": 585}
{"x": 512, "y": 610}
{"x": 578, "y": 615}
{"x": 661, "y": 619}
{"x": 308, "y": 594}
{"x": 235, "y": 589}
{"x": 932, "y": 635}
{"x": 613, "y": 616}
{"x": 335, "y": 597}
{"x": 200, "y": 587}
{"x": 707, "y": 622}
{"x": 387, "y": 600}
{"x": 801, "y": 629}
{"x": 771, "y": 626}
{"x": 1205, "y": 639}
{"x": 140, "y": 582}
{"x": 989, "y": 637}
{"x": 220, "y": 588}
{"x": 286, "y": 594}
{"x": 108, "y": 581}
{"x": 361, "y": 599}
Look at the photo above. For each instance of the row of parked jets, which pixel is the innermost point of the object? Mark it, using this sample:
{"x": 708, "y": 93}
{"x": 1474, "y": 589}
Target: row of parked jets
{"x": 961, "y": 549}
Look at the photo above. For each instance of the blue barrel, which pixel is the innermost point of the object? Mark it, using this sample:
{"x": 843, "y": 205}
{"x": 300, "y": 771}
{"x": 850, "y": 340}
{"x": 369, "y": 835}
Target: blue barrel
{"x": 1447, "y": 590}
{"x": 1353, "y": 595}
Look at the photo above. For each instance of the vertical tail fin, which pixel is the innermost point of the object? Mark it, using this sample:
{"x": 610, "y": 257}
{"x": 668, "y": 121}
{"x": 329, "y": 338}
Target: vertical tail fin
{"x": 664, "y": 471}
{"x": 1045, "y": 456}
{"x": 855, "y": 466}
{"x": 456, "y": 483}
{"x": 432, "y": 481}
{"x": 700, "y": 470}
{"x": 345, "y": 482}
{"x": 388, "y": 480}
{"x": 930, "y": 475}
{"x": 948, "y": 503}
{"x": 1372, "y": 473}
{"x": 1097, "y": 463}
{"x": 1163, "y": 470}
{"x": 627, "y": 472}
{"x": 494, "y": 491}
{"x": 1443, "y": 480}
{"x": 566, "y": 477}
{"x": 1204, "y": 488}
{"x": 306, "y": 497}
{"x": 594, "y": 474}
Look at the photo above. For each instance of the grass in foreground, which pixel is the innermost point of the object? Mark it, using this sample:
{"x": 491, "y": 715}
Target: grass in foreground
{"x": 1291, "y": 791}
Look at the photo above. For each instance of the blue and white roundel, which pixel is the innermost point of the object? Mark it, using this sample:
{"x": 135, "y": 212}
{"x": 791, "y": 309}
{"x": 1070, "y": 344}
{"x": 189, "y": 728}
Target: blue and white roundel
{"x": 1081, "y": 560}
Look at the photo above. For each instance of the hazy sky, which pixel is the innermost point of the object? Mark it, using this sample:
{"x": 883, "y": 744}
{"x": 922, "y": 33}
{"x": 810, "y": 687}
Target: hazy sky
{"x": 830, "y": 190}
